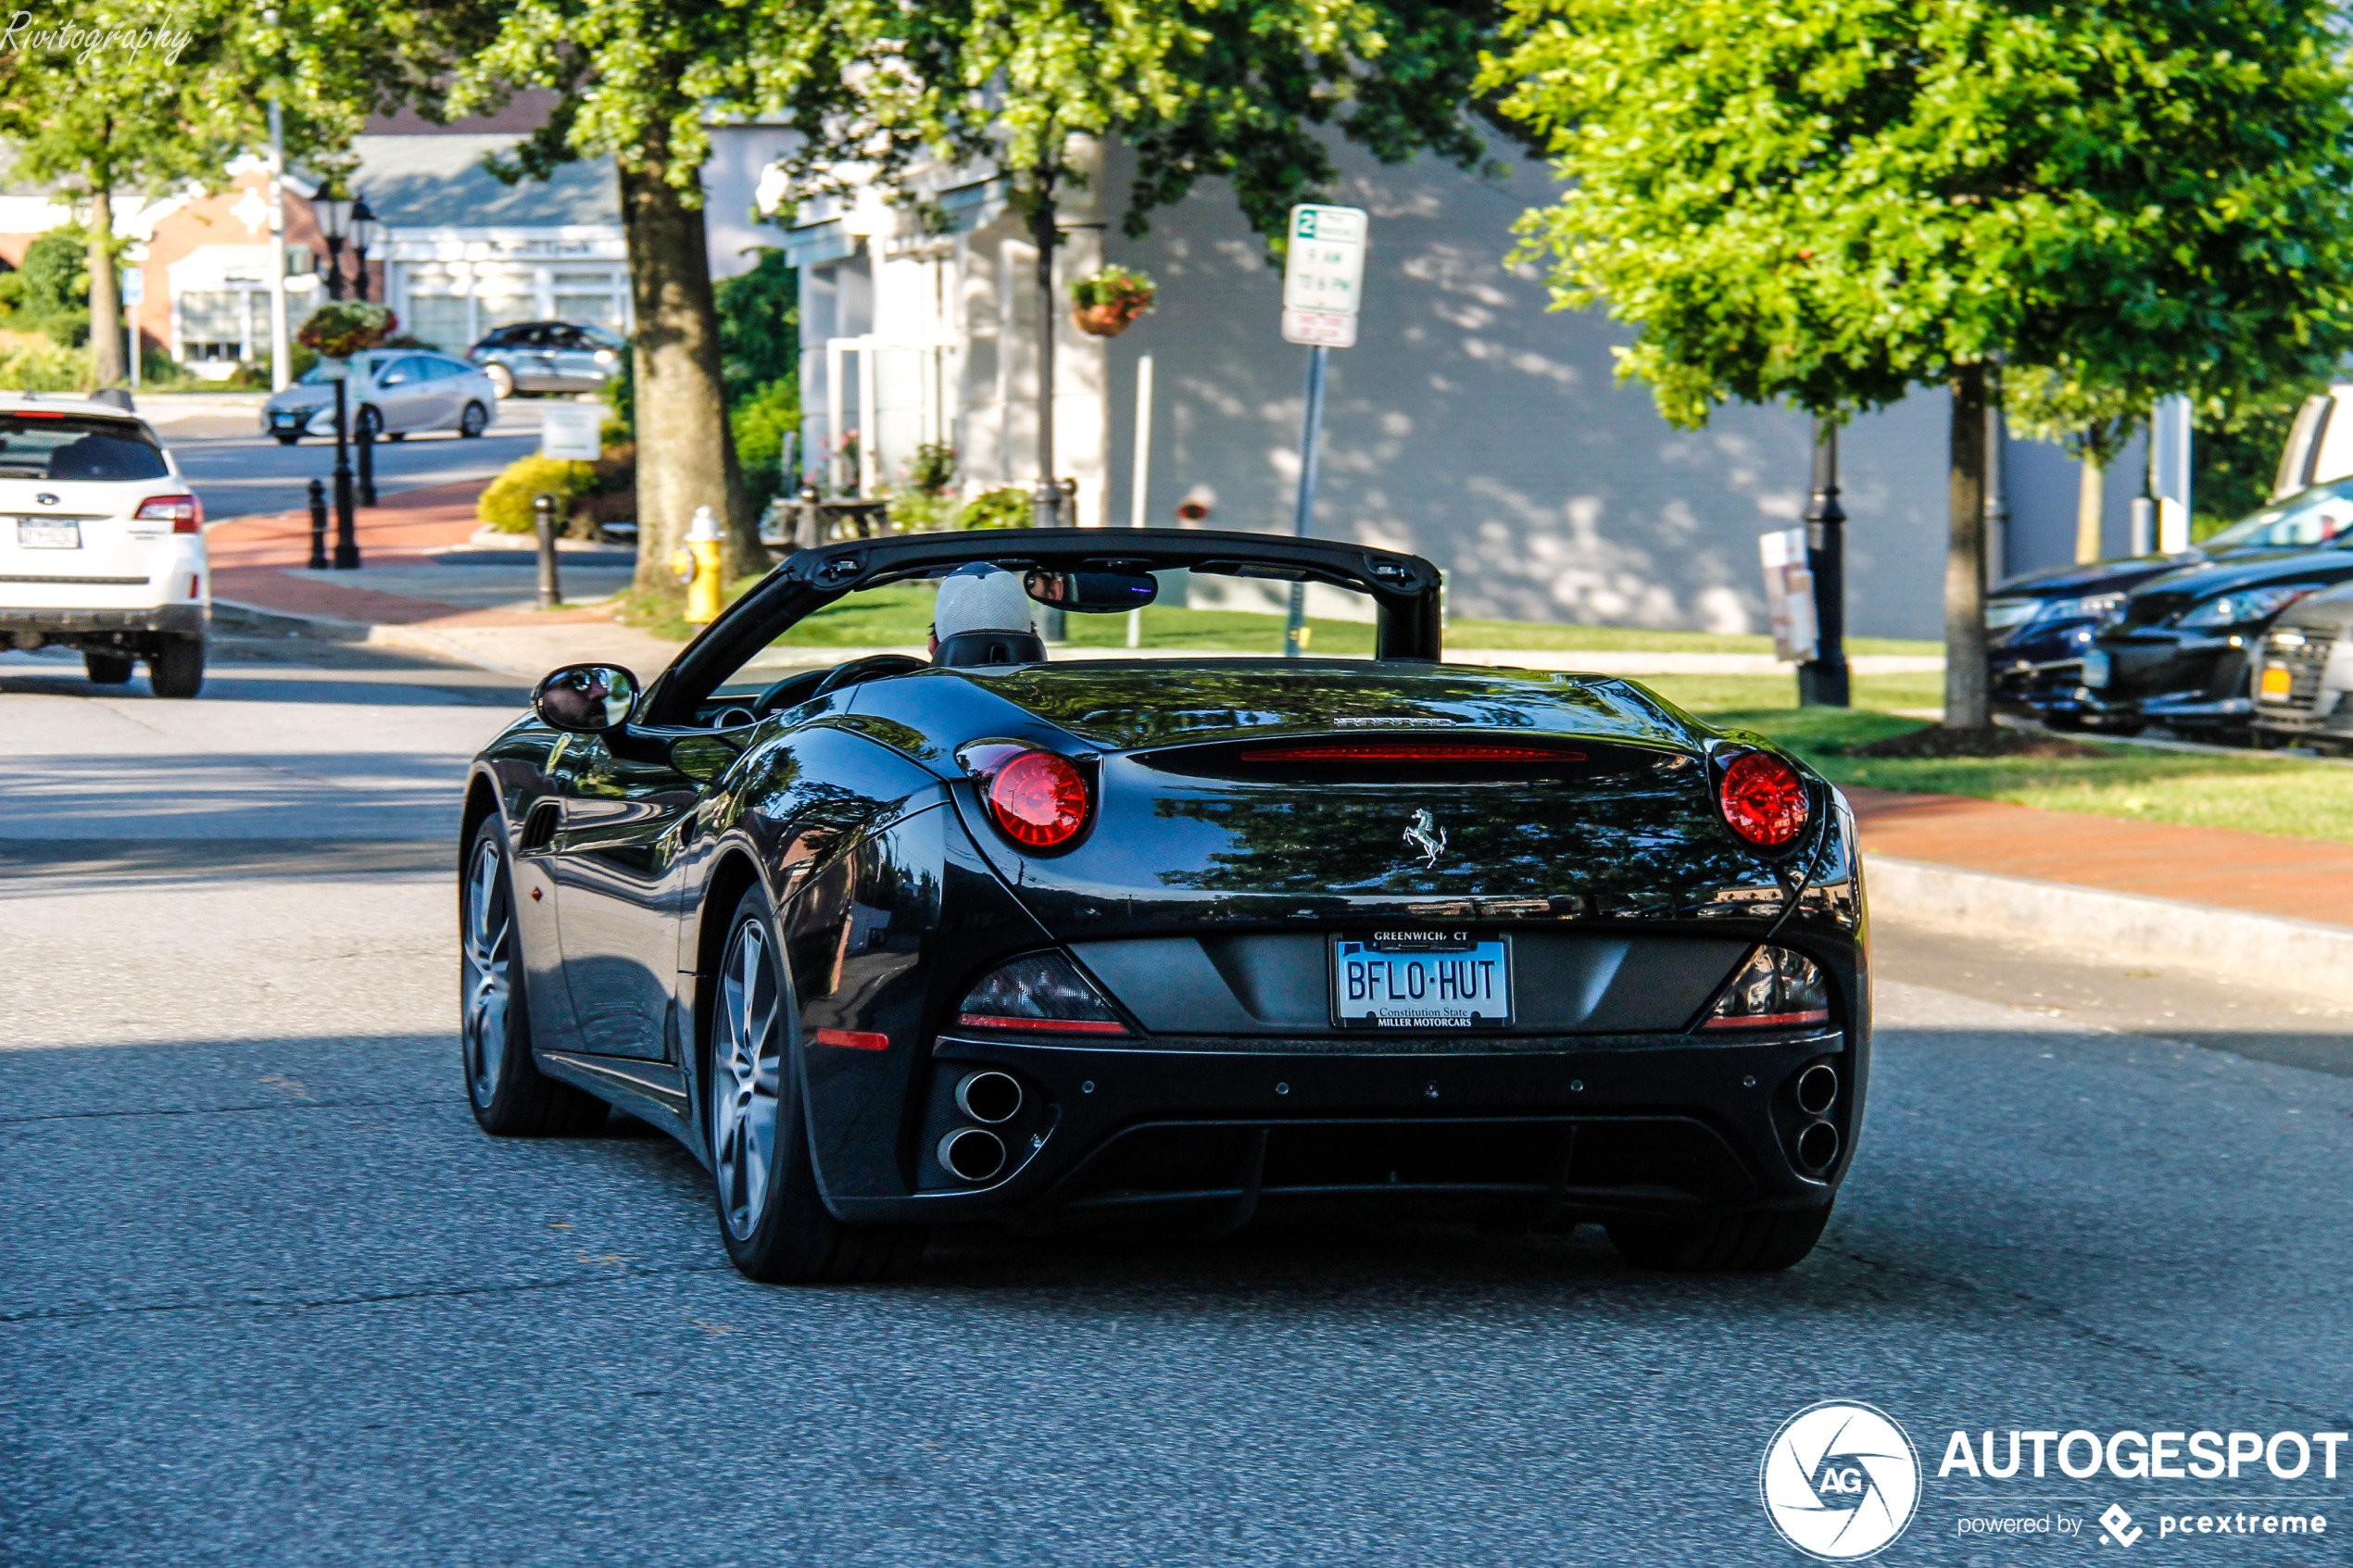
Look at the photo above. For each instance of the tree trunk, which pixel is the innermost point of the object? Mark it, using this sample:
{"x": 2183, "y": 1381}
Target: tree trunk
{"x": 2091, "y": 509}
{"x": 1966, "y": 705}
{"x": 107, "y": 363}
{"x": 686, "y": 451}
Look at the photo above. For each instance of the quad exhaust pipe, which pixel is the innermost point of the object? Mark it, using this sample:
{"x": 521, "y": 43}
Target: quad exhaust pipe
{"x": 973, "y": 1154}
{"x": 993, "y": 1097}
{"x": 1817, "y": 1144}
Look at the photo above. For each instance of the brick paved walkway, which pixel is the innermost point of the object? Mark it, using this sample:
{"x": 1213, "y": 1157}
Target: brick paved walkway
{"x": 261, "y": 561}
{"x": 2297, "y": 878}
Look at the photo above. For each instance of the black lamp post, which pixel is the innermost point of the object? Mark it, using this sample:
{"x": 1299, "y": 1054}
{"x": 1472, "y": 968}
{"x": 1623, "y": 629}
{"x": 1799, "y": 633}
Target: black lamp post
{"x": 332, "y": 212}
{"x": 363, "y": 230}
{"x": 1823, "y": 681}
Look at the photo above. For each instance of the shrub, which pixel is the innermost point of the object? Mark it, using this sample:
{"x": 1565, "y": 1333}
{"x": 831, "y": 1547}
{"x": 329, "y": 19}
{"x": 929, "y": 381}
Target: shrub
{"x": 920, "y": 511}
{"x": 45, "y": 369}
{"x": 507, "y": 504}
{"x": 1005, "y": 507}
{"x": 761, "y": 424}
{"x": 934, "y": 469}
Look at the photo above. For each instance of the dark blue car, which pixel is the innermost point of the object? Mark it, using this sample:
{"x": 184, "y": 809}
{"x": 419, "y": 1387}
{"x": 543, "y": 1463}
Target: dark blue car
{"x": 2039, "y": 625}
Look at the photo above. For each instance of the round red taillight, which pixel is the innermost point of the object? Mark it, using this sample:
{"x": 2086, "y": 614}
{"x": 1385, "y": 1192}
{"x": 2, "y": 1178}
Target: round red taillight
{"x": 1763, "y": 799}
{"x": 1039, "y": 799}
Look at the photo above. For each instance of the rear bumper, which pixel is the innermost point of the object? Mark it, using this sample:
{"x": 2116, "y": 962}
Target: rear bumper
{"x": 1601, "y": 1128}
{"x": 179, "y": 619}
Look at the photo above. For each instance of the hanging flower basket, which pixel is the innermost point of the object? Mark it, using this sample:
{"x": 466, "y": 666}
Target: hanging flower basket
{"x": 339, "y": 329}
{"x": 1106, "y": 303}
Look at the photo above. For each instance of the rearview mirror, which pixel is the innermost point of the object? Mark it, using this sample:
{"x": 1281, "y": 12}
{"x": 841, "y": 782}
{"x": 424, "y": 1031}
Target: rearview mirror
{"x": 585, "y": 699}
{"x": 1092, "y": 592}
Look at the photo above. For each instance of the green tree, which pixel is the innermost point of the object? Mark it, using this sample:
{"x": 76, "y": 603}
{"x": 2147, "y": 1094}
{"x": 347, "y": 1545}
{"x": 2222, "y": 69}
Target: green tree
{"x": 641, "y": 81}
{"x": 162, "y": 100}
{"x": 1830, "y": 202}
{"x": 1241, "y": 89}
{"x": 758, "y": 326}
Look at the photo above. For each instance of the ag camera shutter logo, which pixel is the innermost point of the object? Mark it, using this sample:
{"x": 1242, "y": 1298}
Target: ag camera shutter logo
{"x": 1839, "y": 1481}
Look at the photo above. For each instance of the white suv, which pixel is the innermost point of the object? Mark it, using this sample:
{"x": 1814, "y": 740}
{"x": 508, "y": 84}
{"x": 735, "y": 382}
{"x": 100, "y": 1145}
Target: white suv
{"x": 101, "y": 541}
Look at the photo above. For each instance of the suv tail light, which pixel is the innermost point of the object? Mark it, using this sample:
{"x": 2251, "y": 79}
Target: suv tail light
{"x": 185, "y": 513}
{"x": 1775, "y": 989}
{"x": 1763, "y": 798}
{"x": 1040, "y": 800}
{"x": 1038, "y": 991}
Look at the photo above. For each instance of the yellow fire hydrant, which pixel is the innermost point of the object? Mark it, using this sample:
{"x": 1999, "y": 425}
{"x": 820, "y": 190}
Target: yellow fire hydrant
{"x": 697, "y": 565}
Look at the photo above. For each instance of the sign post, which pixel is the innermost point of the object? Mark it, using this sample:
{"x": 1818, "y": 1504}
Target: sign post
{"x": 1323, "y": 286}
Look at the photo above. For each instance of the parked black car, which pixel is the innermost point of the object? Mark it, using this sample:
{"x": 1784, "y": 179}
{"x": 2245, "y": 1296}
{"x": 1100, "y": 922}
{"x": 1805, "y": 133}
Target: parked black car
{"x": 2176, "y": 652}
{"x": 997, "y": 938}
{"x": 2038, "y": 626}
{"x": 549, "y": 357}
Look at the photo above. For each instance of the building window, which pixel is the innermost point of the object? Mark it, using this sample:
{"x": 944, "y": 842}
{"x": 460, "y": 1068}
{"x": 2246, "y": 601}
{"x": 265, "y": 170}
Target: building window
{"x": 590, "y": 298}
{"x": 216, "y": 326}
{"x": 438, "y": 317}
{"x": 499, "y": 307}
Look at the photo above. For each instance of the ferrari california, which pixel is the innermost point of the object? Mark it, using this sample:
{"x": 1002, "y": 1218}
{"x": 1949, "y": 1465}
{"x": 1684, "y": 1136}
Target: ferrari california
{"x": 1006, "y": 936}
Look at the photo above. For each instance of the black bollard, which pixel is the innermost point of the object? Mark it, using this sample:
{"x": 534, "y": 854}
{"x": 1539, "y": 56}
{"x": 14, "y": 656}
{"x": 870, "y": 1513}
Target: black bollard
{"x": 346, "y": 530}
{"x": 318, "y": 526}
{"x": 365, "y": 436}
{"x": 543, "y": 516}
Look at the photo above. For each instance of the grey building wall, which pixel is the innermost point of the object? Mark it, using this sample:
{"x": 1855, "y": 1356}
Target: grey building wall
{"x": 2042, "y": 489}
{"x": 1487, "y": 433}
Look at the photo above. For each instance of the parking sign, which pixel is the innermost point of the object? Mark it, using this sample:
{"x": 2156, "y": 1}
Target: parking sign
{"x": 1324, "y": 274}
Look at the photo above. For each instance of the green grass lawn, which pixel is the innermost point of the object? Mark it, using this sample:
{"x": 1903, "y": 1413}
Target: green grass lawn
{"x": 2284, "y": 795}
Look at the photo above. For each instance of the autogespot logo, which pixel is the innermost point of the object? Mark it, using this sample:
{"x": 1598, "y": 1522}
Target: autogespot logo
{"x": 1840, "y": 1480}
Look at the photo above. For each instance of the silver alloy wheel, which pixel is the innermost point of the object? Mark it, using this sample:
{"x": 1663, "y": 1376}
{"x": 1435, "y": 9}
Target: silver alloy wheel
{"x": 489, "y": 971}
{"x": 747, "y": 1053}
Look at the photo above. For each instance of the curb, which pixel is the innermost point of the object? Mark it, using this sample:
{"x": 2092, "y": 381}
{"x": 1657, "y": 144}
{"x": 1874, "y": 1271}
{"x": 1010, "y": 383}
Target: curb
{"x": 2235, "y": 945}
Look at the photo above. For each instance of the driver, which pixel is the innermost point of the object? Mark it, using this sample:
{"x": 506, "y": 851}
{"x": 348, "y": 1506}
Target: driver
{"x": 979, "y": 597}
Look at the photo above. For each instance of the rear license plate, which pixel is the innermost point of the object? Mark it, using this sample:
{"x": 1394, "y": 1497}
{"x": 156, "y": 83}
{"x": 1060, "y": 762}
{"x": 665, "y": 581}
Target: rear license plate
{"x": 41, "y": 533}
{"x": 2095, "y": 667}
{"x": 1421, "y": 980}
{"x": 2279, "y": 684}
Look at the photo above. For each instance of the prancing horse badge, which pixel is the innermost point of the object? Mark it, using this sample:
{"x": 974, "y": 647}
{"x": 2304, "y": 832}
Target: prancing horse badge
{"x": 1427, "y": 837}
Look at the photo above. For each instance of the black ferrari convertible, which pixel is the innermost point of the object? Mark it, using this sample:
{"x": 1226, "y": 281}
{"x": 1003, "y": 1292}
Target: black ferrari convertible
{"x": 1005, "y": 937}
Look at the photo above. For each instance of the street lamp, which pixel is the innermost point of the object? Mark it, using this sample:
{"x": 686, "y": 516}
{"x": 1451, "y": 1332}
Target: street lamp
{"x": 363, "y": 230}
{"x": 1822, "y": 682}
{"x": 333, "y": 213}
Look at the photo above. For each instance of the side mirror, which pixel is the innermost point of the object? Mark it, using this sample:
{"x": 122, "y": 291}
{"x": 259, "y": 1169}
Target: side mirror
{"x": 1093, "y": 592}
{"x": 585, "y": 699}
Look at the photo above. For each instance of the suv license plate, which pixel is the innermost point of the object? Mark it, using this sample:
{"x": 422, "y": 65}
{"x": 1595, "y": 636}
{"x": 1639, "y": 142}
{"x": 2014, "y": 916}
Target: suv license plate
{"x": 2095, "y": 667}
{"x": 43, "y": 533}
{"x": 1421, "y": 980}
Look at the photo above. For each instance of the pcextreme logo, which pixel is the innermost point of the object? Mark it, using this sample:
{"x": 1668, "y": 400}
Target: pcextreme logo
{"x": 1839, "y": 1481}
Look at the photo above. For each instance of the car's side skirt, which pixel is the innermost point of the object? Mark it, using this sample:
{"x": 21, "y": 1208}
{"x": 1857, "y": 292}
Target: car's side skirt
{"x": 654, "y": 1090}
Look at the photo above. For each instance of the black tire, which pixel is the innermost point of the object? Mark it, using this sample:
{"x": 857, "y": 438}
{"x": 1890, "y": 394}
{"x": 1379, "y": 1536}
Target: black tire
{"x": 370, "y": 418}
{"x": 511, "y": 1098}
{"x": 2062, "y": 720}
{"x": 396, "y": 435}
{"x": 108, "y": 669}
{"x": 288, "y": 440}
{"x": 175, "y": 666}
{"x": 1760, "y": 1242}
{"x": 502, "y": 379}
{"x": 771, "y": 1220}
{"x": 474, "y": 421}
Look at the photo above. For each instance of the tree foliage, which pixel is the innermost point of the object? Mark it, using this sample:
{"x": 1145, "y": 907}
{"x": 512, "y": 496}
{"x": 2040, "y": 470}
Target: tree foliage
{"x": 1830, "y": 201}
{"x": 1243, "y": 90}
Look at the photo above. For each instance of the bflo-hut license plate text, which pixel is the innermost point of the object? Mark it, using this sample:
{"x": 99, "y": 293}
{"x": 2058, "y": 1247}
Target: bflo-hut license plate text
{"x": 1421, "y": 980}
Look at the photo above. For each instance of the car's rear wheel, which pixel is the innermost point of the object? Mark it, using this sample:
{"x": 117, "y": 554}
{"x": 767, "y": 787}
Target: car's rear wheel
{"x": 175, "y": 666}
{"x": 771, "y": 1217}
{"x": 474, "y": 422}
{"x": 510, "y": 1096}
{"x": 371, "y": 420}
{"x": 1760, "y": 1242}
{"x": 108, "y": 669}
{"x": 288, "y": 440}
{"x": 502, "y": 379}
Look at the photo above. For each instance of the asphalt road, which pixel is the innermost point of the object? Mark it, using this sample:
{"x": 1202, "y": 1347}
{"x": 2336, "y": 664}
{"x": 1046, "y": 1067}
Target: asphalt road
{"x": 237, "y": 471}
{"x": 268, "y": 1296}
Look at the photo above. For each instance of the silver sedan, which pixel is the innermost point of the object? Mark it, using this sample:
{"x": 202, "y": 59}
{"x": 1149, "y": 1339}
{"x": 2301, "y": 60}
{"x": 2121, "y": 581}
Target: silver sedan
{"x": 393, "y": 392}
